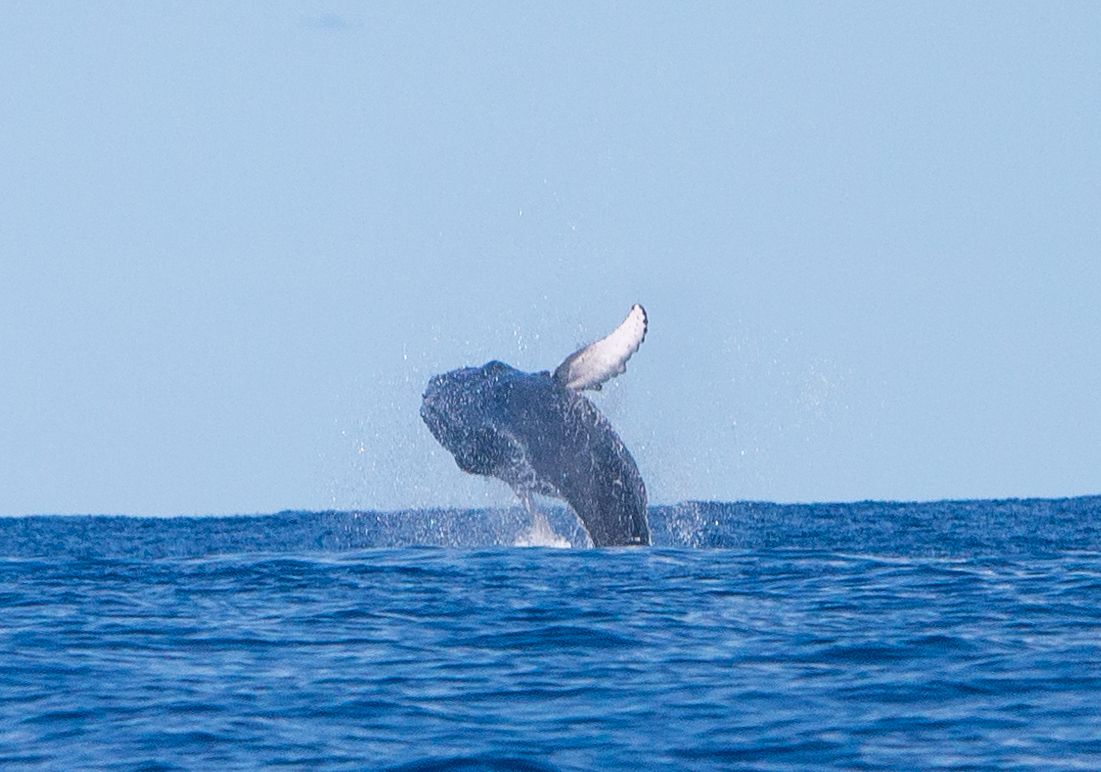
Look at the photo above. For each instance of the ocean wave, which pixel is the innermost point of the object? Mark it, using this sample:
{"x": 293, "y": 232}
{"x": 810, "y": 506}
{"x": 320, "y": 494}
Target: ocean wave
{"x": 943, "y": 528}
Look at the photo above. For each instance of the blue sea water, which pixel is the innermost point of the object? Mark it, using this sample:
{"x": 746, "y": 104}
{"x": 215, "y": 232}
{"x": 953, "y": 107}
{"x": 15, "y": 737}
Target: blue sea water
{"x": 755, "y": 636}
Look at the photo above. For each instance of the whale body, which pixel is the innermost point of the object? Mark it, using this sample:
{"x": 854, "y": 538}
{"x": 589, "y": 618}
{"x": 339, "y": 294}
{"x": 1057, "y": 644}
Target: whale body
{"x": 540, "y": 435}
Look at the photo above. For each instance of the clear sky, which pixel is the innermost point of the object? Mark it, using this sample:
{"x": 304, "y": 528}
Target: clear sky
{"x": 237, "y": 238}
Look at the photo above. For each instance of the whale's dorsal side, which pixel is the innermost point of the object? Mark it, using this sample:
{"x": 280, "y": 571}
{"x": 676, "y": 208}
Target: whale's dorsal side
{"x": 591, "y": 366}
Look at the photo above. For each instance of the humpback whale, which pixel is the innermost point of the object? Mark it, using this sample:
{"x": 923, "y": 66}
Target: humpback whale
{"x": 539, "y": 434}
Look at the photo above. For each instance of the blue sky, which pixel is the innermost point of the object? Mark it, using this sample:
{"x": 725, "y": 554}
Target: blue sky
{"x": 238, "y": 239}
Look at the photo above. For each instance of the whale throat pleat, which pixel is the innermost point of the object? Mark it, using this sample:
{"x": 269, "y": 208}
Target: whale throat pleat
{"x": 603, "y": 360}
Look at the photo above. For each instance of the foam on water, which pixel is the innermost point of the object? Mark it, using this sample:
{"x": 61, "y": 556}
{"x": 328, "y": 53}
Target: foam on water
{"x": 539, "y": 536}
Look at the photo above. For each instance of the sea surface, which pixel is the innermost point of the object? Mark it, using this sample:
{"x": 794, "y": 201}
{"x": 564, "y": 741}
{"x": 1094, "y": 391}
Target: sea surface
{"x": 872, "y": 635}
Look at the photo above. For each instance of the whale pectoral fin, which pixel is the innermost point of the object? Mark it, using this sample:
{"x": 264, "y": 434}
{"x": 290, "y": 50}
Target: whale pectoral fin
{"x": 603, "y": 360}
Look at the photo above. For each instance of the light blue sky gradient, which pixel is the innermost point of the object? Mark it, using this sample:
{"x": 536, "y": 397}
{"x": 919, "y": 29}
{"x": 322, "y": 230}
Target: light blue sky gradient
{"x": 236, "y": 240}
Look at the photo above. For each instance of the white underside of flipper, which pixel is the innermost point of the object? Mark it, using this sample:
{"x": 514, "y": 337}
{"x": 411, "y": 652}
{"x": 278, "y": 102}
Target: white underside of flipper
{"x": 598, "y": 362}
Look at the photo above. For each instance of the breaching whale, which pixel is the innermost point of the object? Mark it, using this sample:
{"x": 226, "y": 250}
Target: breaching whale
{"x": 539, "y": 434}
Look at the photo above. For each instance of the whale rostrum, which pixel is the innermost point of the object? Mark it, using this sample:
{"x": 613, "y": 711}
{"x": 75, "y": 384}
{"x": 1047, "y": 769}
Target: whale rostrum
{"x": 538, "y": 433}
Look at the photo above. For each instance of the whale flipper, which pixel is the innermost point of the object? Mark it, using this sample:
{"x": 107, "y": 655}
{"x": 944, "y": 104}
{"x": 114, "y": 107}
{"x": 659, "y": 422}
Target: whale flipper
{"x": 591, "y": 366}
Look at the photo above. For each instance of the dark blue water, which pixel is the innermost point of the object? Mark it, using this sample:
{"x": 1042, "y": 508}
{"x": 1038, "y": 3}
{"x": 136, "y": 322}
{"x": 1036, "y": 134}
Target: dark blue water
{"x": 757, "y": 636}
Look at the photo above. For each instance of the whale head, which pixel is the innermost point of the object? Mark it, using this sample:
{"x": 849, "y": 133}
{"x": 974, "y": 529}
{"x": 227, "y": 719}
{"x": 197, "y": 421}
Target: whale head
{"x": 458, "y": 408}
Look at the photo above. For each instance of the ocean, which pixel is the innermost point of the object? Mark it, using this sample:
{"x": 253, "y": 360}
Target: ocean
{"x": 872, "y": 635}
